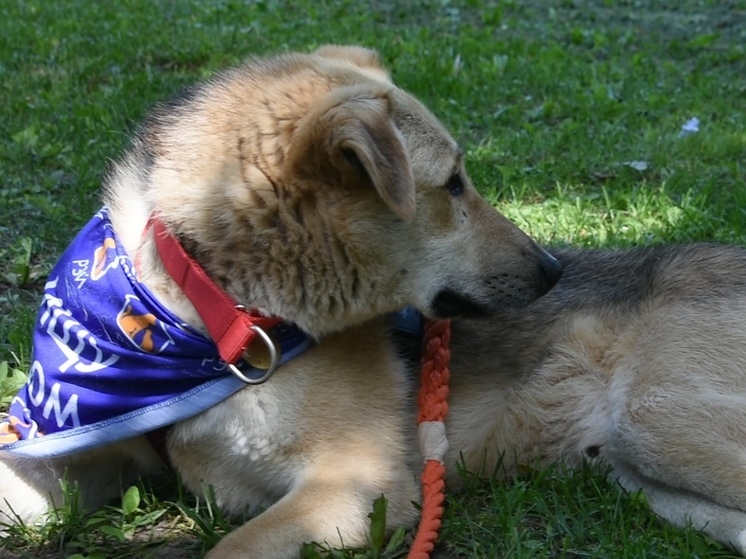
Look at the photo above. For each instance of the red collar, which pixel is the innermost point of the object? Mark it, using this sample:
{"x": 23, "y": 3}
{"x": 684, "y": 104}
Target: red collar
{"x": 229, "y": 324}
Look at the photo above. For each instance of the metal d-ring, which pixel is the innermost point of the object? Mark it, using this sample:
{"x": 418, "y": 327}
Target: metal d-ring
{"x": 274, "y": 360}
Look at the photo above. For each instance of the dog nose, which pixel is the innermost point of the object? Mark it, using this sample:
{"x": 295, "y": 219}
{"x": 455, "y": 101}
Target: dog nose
{"x": 551, "y": 269}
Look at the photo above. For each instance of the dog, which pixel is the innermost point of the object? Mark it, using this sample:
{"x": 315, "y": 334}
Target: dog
{"x": 276, "y": 215}
{"x": 636, "y": 359}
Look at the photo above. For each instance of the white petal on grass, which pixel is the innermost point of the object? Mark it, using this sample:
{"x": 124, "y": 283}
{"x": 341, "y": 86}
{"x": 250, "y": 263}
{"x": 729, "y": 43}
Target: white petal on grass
{"x": 689, "y": 127}
{"x": 457, "y": 64}
{"x": 637, "y": 165}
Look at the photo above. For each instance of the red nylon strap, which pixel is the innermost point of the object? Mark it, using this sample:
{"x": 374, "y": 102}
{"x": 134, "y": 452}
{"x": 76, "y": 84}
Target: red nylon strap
{"x": 228, "y": 324}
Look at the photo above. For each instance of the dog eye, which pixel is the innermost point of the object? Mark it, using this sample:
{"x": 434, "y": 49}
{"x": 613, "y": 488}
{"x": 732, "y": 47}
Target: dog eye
{"x": 455, "y": 186}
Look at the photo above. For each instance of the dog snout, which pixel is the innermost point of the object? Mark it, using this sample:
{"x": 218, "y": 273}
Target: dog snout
{"x": 551, "y": 270}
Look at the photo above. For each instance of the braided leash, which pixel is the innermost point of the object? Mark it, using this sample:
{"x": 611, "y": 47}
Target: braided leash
{"x": 433, "y": 407}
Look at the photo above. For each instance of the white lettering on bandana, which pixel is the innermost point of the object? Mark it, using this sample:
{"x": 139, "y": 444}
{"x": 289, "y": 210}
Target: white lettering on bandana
{"x": 109, "y": 361}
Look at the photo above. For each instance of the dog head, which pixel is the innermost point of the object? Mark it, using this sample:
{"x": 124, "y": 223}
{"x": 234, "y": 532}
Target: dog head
{"x": 311, "y": 187}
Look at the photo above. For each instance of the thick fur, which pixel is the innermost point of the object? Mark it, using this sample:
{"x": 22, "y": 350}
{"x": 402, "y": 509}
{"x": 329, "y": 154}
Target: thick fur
{"x": 636, "y": 358}
{"x": 309, "y": 187}
{"x": 312, "y": 188}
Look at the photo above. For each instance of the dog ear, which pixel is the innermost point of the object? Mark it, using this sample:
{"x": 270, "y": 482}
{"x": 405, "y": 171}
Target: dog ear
{"x": 360, "y": 56}
{"x": 366, "y": 139}
{"x": 355, "y": 132}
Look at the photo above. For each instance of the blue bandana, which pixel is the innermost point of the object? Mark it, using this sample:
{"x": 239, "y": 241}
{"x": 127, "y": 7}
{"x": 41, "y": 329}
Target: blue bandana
{"x": 109, "y": 361}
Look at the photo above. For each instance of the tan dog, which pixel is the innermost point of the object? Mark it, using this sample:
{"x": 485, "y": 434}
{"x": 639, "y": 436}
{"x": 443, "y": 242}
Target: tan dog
{"x": 636, "y": 358}
{"x": 311, "y": 188}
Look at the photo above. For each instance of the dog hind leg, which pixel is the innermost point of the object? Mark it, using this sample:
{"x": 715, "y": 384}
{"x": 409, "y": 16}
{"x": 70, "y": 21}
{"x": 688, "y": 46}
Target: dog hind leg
{"x": 723, "y": 524}
{"x": 685, "y": 438}
{"x": 683, "y": 445}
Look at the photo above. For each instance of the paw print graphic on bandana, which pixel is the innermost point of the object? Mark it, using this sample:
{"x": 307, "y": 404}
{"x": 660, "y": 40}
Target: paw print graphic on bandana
{"x": 142, "y": 328}
{"x": 10, "y": 429}
{"x": 104, "y": 258}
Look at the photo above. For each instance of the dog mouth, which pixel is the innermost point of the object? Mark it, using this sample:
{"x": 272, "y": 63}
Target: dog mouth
{"x": 450, "y": 304}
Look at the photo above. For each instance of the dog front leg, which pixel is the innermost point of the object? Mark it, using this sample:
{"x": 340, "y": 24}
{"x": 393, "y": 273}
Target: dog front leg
{"x": 329, "y": 506}
{"x": 27, "y": 489}
{"x": 30, "y": 487}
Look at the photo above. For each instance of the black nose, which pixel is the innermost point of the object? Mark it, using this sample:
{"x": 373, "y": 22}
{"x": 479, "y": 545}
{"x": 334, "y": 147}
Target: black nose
{"x": 551, "y": 269}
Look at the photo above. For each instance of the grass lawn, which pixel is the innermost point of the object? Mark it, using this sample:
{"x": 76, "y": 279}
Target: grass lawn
{"x": 570, "y": 113}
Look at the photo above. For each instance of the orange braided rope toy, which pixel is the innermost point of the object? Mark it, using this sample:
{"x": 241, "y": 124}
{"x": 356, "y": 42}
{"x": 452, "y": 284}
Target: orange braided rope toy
{"x": 432, "y": 402}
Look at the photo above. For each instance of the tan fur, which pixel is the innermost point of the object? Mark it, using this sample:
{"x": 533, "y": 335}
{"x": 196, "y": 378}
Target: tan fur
{"x": 309, "y": 187}
{"x": 636, "y": 359}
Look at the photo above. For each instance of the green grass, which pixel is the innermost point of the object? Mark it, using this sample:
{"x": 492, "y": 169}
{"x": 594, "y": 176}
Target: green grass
{"x": 557, "y": 103}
